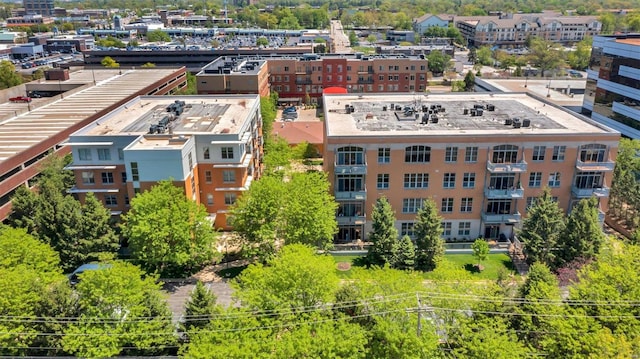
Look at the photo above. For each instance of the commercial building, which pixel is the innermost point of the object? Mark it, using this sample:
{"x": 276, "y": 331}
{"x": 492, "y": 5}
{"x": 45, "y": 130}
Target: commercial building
{"x": 28, "y": 136}
{"x": 230, "y": 74}
{"x": 211, "y": 146}
{"x": 482, "y": 157}
{"x": 612, "y": 96}
{"x": 40, "y": 7}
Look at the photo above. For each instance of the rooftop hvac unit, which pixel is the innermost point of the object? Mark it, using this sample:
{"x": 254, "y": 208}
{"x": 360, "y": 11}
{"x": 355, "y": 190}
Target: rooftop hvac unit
{"x": 491, "y": 107}
{"x": 526, "y": 122}
{"x": 508, "y": 122}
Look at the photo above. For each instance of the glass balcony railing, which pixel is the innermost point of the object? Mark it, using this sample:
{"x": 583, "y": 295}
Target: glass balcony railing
{"x": 590, "y": 192}
{"x": 517, "y": 167}
{"x": 357, "y": 194}
{"x": 604, "y": 166}
{"x": 492, "y": 193}
{"x": 501, "y": 218}
{"x": 354, "y": 219}
{"x": 358, "y": 169}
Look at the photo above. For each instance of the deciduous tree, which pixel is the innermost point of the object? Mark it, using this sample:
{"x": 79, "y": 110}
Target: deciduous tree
{"x": 109, "y": 62}
{"x": 545, "y": 55}
{"x": 122, "y": 311}
{"x": 438, "y": 62}
{"x": 480, "y": 249}
{"x": 168, "y": 232}
{"x": 8, "y": 75}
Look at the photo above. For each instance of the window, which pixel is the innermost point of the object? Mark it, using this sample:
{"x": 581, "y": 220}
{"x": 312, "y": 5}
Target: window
{"x": 469, "y": 180}
{"x": 107, "y": 177}
{"x": 349, "y": 183}
{"x": 558, "y": 153}
{"x": 383, "y": 181}
{"x": 466, "y": 205}
{"x": 446, "y": 228}
{"x": 209, "y": 199}
{"x": 126, "y": 200}
{"x": 449, "y": 180}
{"x": 589, "y": 179}
{"x": 505, "y": 154}
{"x": 84, "y": 154}
{"x": 227, "y": 153}
{"x": 530, "y": 202}
{"x": 135, "y": 176}
{"x": 229, "y": 198}
{"x": 417, "y": 154}
{"x": 554, "y": 179}
{"x": 207, "y": 177}
{"x": 190, "y": 160}
{"x": 538, "y": 153}
{"x": 87, "y": 178}
{"x": 535, "y": 179}
{"x": 206, "y": 154}
{"x": 416, "y": 180}
{"x": 464, "y": 228}
{"x": 592, "y": 153}
{"x": 104, "y": 154}
{"x": 350, "y": 155}
{"x": 412, "y": 205}
{"x": 228, "y": 176}
{"x": 384, "y": 155}
{"x": 123, "y": 176}
{"x": 406, "y": 229}
{"x": 110, "y": 200}
{"x": 447, "y": 205}
{"x": 451, "y": 154}
{"x": 471, "y": 154}
{"x": 120, "y": 154}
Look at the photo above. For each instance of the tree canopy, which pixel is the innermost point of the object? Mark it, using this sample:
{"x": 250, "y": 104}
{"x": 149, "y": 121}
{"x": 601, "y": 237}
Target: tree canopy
{"x": 167, "y": 232}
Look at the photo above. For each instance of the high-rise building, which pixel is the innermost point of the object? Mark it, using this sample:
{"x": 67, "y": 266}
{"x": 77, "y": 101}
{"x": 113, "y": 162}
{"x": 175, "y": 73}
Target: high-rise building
{"x": 612, "y": 95}
{"x": 482, "y": 157}
{"x": 210, "y": 146}
{"x": 40, "y": 7}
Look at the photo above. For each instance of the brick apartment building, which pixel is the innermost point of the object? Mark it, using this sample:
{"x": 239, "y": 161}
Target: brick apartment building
{"x": 211, "y": 146}
{"x": 483, "y": 158}
{"x": 296, "y": 77}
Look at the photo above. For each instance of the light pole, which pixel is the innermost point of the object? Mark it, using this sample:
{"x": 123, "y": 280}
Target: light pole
{"x": 549, "y": 88}
{"x": 526, "y": 78}
{"x": 60, "y": 88}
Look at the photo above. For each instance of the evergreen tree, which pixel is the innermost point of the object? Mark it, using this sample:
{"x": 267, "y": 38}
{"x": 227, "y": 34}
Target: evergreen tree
{"x": 23, "y": 209}
{"x": 428, "y": 231}
{"x": 384, "y": 236}
{"x": 199, "y": 309}
{"x": 541, "y": 229}
{"x": 405, "y": 256}
{"x": 469, "y": 81}
{"x": 96, "y": 229}
{"x": 583, "y": 235}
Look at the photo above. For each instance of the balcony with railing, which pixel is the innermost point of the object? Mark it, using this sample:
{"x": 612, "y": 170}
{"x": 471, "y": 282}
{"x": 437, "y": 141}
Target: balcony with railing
{"x": 515, "y": 167}
{"x": 356, "y": 218}
{"x": 359, "y": 194}
{"x": 359, "y": 169}
{"x": 604, "y": 166}
{"x": 501, "y": 217}
{"x": 510, "y": 193}
{"x": 303, "y": 81}
{"x": 602, "y": 191}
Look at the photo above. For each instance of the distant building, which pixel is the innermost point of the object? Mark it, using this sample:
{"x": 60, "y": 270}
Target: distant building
{"x": 227, "y": 75}
{"x": 612, "y": 96}
{"x": 39, "y": 7}
{"x": 395, "y": 37}
{"x": 424, "y": 22}
{"x": 29, "y": 20}
{"x": 210, "y": 146}
{"x": 482, "y": 157}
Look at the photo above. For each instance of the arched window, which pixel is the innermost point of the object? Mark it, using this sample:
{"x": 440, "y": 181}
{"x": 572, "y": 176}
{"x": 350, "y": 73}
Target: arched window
{"x": 592, "y": 152}
{"x": 350, "y": 155}
{"x": 417, "y": 154}
{"x": 505, "y": 154}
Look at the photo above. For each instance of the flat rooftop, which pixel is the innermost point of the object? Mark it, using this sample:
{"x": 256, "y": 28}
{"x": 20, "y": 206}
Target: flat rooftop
{"x": 234, "y": 65}
{"x": 221, "y": 114}
{"x": 21, "y": 132}
{"x": 408, "y": 117}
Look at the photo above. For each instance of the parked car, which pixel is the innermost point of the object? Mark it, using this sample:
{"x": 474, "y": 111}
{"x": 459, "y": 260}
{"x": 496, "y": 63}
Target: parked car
{"x": 289, "y": 115}
{"x": 289, "y": 109}
{"x": 74, "y": 277}
{"x": 20, "y": 99}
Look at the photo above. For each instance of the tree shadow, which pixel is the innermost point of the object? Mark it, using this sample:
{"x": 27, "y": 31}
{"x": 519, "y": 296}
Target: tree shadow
{"x": 361, "y": 262}
{"x": 231, "y": 272}
{"x": 472, "y": 268}
{"x": 508, "y": 264}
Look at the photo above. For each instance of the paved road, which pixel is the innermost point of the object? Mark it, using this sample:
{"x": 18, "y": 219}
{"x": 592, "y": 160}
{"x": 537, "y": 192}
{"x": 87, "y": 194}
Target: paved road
{"x": 179, "y": 292}
{"x": 340, "y": 39}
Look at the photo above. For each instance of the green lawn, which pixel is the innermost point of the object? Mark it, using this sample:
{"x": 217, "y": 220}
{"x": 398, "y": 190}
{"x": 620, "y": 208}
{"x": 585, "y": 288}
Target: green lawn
{"x": 464, "y": 261}
{"x": 491, "y": 265}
